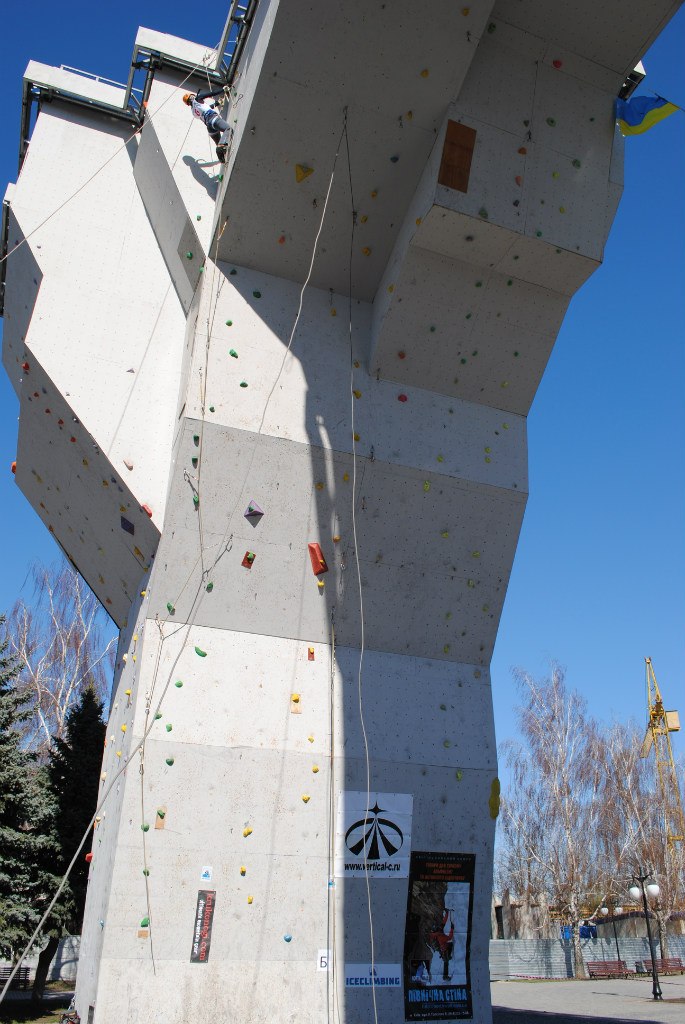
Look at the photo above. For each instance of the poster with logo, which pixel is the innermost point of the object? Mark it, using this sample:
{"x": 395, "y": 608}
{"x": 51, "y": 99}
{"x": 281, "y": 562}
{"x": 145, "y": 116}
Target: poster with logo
{"x": 202, "y": 930}
{"x": 373, "y": 832}
{"x": 437, "y": 937}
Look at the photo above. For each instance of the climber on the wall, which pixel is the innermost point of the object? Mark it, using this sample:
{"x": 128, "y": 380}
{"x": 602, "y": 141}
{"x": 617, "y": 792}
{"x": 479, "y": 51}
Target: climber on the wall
{"x": 215, "y": 124}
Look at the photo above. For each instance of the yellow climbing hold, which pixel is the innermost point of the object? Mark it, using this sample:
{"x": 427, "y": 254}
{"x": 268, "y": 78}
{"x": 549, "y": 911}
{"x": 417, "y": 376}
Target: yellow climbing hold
{"x": 319, "y": 485}
{"x": 391, "y": 288}
{"x": 366, "y": 251}
{"x": 346, "y": 477}
{"x": 127, "y": 692}
{"x": 247, "y": 831}
{"x": 124, "y": 728}
{"x": 118, "y": 753}
{"x": 310, "y": 738}
{"x": 425, "y": 73}
{"x": 363, "y": 219}
{"x": 249, "y": 899}
{"x": 295, "y": 698}
{"x": 356, "y": 437}
{"x": 334, "y": 312}
{"x": 243, "y": 870}
{"x": 445, "y": 534}
{"x": 305, "y": 798}
{"x": 320, "y": 584}
{"x": 475, "y": 554}
{"x": 315, "y": 768}
{"x": 302, "y": 172}
{"x": 373, "y": 194}
{"x": 493, "y": 802}
{"x": 357, "y": 393}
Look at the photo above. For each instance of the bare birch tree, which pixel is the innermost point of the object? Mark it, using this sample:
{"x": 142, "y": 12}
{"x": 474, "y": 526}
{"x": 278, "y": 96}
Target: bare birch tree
{"x": 551, "y": 812}
{"x": 63, "y": 643}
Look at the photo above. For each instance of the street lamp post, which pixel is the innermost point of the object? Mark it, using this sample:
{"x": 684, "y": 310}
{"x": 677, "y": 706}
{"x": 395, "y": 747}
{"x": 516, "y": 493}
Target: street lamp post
{"x": 614, "y": 910}
{"x": 635, "y": 892}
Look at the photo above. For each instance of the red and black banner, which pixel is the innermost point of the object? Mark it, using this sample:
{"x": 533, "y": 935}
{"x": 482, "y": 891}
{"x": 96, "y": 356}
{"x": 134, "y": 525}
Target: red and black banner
{"x": 202, "y": 932}
{"x": 437, "y": 938}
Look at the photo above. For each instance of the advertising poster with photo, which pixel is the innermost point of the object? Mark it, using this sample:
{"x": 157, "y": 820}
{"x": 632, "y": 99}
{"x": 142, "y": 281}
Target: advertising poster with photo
{"x": 373, "y": 833}
{"x": 437, "y": 937}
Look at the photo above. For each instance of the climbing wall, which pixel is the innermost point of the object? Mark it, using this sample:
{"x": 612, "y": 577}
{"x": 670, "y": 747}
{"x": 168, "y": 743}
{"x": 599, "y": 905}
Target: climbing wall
{"x": 311, "y": 502}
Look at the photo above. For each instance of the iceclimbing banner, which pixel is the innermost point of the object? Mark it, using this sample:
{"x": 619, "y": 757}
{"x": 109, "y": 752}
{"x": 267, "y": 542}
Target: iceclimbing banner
{"x": 437, "y": 938}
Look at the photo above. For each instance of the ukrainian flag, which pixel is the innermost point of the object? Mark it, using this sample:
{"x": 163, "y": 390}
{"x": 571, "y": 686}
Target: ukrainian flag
{"x": 639, "y": 114}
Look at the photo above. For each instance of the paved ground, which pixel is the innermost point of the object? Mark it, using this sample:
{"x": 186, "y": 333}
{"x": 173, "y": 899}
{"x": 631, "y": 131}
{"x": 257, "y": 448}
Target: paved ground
{"x": 582, "y": 1002}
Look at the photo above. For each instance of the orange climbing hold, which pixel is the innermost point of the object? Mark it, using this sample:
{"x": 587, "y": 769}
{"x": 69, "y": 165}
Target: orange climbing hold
{"x": 319, "y": 565}
{"x": 310, "y": 654}
{"x": 13, "y": 467}
{"x": 523, "y": 151}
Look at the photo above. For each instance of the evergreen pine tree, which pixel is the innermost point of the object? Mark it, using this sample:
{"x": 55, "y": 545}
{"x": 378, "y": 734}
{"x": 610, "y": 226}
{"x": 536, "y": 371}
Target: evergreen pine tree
{"x": 74, "y": 767}
{"x": 27, "y": 816}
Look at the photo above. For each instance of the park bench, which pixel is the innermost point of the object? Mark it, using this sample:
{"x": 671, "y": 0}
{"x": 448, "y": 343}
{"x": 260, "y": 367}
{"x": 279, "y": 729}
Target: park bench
{"x": 666, "y": 965}
{"x": 20, "y": 980}
{"x": 607, "y": 969}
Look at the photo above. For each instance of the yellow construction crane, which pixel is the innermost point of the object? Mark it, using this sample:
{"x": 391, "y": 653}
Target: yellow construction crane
{"x": 659, "y": 724}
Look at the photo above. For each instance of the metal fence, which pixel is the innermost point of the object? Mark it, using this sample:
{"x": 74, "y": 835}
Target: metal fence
{"x": 553, "y": 958}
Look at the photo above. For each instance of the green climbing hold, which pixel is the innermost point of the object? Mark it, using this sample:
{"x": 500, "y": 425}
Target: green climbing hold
{"x": 199, "y": 216}
{"x": 479, "y": 284}
{"x": 526, "y": 123}
{"x": 196, "y": 439}
{"x": 486, "y": 607}
{"x": 459, "y": 776}
{"x": 257, "y": 295}
{"x": 483, "y": 213}
{"x": 443, "y": 707}
{"x": 475, "y": 352}
{"x": 446, "y": 744}
{"x": 196, "y": 500}
{"x": 145, "y": 922}
{"x": 232, "y": 352}
{"x": 462, "y": 361}
{"x": 170, "y": 608}
{"x": 471, "y": 583}
{"x": 200, "y": 653}
{"x": 219, "y": 177}
{"x": 178, "y": 684}
{"x": 211, "y": 408}
{"x": 146, "y": 871}
{"x": 446, "y": 649}
{"x": 432, "y": 328}
{"x": 488, "y": 459}
{"x": 516, "y": 355}
{"x": 469, "y": 315}
{"x": 488, "y": 450}
{"x": 426, "y": 485}
{"x": 233, "y": 272}
{"x": 161, "y": 814}
{"x": 145, "y": 827}
{"x": 538, "y": 234}
{"x": 551, "y": 122}
{"x": 575, "y": 163}
{"x": 189, "y": 255}
{"x": 491, "y": 27}
{"x": 509, "y": 283}
{"x": 158, "y": 716}
{"x": 170, "y": 761}
{"x": 194, "y": 461}
{"x": 243, "y": 383}
{"x": 229, "y": 323}
{"x": 210, "y": 587}
{"x": 169, "y": 727}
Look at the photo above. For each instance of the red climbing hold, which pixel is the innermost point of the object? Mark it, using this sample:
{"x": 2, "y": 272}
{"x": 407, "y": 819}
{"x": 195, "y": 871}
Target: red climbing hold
{"x": 25, "y": 367}
{"x": 147, "y": 510}
{"x": 557, "y": 63}
{"x": 89, "y": 857}
{"x": 523, "y": 151}
{"x": 401, "y": 355}
{"x": 73, "y": 440}
{"x": 518, "y": 179}
{"x": 318, "y": 561}
{"x": 401, "y": 398}
{"x": 60, "y": 423}
{"x": 281, "y": 240}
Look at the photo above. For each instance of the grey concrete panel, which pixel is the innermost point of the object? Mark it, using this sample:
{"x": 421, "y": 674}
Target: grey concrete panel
{"x": 22, "y": 284}
{"x": 168, "y": 216}
{"x": 81, "y": 497}
{"x": 461, "y": 577}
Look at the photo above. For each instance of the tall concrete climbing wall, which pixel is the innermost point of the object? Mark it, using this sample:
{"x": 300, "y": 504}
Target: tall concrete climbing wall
{"x": 300, "y": 768}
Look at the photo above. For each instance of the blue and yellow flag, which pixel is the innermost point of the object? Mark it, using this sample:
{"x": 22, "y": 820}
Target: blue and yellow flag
{"x": 639, "y": 114}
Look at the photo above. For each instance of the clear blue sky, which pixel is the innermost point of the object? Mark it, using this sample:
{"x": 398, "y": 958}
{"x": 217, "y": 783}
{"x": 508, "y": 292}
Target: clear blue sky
{"x": 598, "y": 578}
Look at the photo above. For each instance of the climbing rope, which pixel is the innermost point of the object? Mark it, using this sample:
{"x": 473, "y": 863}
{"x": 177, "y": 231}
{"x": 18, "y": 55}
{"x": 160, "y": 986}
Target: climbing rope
{"x": 359, "y": 581}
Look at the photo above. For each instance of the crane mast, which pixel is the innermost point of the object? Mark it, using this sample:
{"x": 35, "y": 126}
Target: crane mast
{"x": 660, "y": 723}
